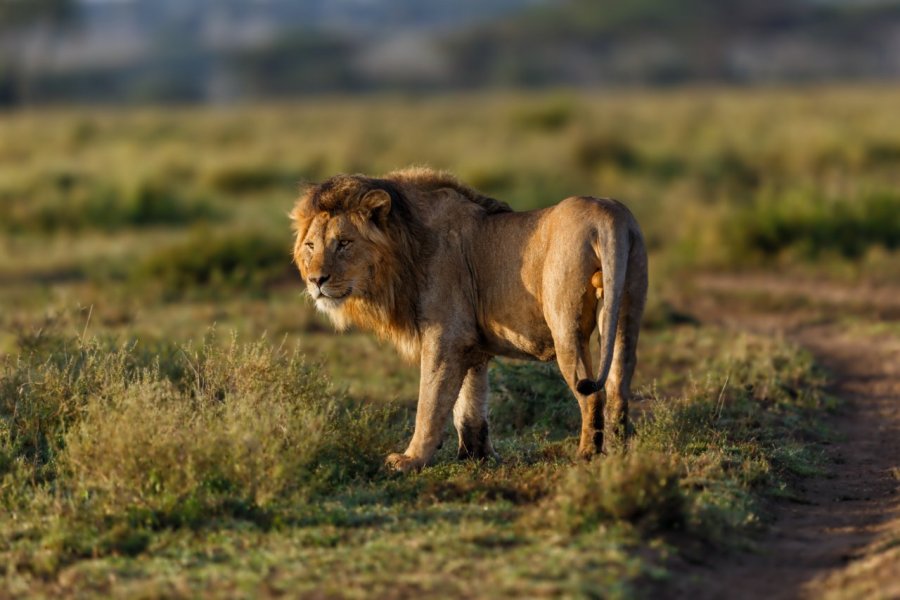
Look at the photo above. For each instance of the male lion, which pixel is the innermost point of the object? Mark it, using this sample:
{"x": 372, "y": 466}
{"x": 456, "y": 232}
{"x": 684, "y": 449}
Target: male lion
{"x": 454, "y": 278}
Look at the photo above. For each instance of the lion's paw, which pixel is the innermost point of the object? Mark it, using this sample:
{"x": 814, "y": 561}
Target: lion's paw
{"x": 402, "y": 463}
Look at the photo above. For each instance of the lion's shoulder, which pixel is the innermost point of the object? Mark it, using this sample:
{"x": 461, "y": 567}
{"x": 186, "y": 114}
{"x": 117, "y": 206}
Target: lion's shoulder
{"x": 426, "y": 180}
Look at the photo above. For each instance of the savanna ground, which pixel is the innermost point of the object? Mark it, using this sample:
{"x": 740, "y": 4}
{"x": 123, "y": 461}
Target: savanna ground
{"x": 175, "y": 419}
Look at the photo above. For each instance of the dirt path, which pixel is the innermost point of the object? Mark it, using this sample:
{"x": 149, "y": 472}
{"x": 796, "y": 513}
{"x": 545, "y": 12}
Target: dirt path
{"x": 841, "y": 539}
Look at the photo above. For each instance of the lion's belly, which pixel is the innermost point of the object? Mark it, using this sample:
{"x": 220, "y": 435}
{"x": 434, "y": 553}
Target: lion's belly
{"x": 533, "y": 342}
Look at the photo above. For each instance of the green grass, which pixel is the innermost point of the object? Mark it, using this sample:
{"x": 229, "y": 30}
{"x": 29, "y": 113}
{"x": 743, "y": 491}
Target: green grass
{"x": 121, "y": 457}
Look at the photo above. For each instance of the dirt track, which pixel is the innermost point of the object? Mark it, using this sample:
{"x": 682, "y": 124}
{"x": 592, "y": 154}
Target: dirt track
{"x": 841, "y": 538}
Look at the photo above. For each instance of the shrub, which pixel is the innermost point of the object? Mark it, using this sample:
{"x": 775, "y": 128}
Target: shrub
{"x": 102, "y": 445}
{"x": 549, "y": 116}
{"x": 43, "y": 391}
{"x": 496, "y": 181}
{"x": 810, "y": 226}
{"x": 730, "y": 170}
{"x": 697, "y": 463}
{"x": 589, "y": 153}
{"x": 233, "y": 429}
{"x": 640, "y": 488}
{"x": 243, "y": 179}
{"x": 238, "y": 260}
{"x": 70, "y": 202}
{"x": 246, "y": 426}
{"x": 883, "y": 154}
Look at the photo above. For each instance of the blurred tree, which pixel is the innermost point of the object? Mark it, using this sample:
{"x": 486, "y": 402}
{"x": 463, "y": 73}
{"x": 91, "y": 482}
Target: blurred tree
{"x": 17, "y": 13}
{"x": 586, "y": 42}
{"x": 299, "y": 62}
{"x": 25, "y": 28}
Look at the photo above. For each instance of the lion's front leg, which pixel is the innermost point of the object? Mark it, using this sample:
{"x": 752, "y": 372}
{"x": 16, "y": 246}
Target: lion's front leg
{"x": 470, "y": 415}
{"x": 440, "y": 381}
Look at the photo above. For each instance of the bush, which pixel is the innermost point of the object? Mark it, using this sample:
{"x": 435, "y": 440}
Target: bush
{"x": 247, "y": 427}
{"x": 245, "y": 261}
{"x": 231, "y": 430}
{"x": 69, "y": 202}
{"x": 812, "y": 226}
{"x": 243, "y": 179}
{"x": 640, "y": 488}
{"x": 803, "y": 225}
{"x": 549, "y": 116}
{"x": 697, "y": 463}
{"x": 730, "y": 170}
{"x": 589, "y": 153}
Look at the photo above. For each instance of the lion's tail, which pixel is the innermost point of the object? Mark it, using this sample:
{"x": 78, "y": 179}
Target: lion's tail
{"x": 614, "y": 245}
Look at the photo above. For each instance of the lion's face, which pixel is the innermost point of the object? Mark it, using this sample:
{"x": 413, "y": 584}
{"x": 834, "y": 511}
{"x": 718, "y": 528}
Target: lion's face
{"x": 336, "y": 261}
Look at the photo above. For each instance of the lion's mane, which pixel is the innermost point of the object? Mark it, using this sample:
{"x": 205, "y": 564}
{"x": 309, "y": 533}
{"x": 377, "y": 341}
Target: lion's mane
{"x": 390, "y": 308}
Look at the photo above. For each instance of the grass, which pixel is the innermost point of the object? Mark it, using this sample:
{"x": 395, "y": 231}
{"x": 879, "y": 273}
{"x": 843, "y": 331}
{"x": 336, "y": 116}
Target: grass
{"x": 115, "y": 454}
{"x": 142, "y": 456}
{"x": 118, "y": 442}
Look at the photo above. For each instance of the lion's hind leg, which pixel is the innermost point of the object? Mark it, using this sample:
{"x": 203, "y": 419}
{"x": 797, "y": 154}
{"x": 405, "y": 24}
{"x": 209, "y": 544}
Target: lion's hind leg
{"x": 571, "y": 315}
{"x": 618, "y": 384}
{"x": 574, "y": 359}
{"x": 470, "y": 416}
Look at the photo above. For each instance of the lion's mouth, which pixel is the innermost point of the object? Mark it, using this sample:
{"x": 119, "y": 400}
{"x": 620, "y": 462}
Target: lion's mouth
{"x": 338, "y": 296}
{"x": 332, "y": 297}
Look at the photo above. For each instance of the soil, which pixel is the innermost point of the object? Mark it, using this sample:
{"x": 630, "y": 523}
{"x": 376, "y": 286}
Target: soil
{"x": 840, "y": 538}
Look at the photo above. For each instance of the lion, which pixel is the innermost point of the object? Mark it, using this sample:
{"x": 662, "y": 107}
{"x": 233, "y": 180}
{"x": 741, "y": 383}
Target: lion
{"x": 454, "y": 278}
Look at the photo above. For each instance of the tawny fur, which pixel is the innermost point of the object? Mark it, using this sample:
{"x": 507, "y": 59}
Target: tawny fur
{"x": 454, "y": 278}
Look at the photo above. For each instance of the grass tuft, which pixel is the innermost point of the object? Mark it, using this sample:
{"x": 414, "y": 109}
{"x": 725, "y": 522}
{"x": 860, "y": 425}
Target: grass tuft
{"x": 640, "y": 488}
{"x": 112, "y": 445}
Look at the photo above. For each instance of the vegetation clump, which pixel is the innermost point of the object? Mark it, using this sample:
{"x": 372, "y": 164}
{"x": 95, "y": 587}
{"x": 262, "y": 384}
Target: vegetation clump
{"x": 72, "y": 202}
{"x": 813, "y": 226}
{"x": 107, "y": 438}
{"x": 639, "y": 488}
{"x": 208, "y": 262}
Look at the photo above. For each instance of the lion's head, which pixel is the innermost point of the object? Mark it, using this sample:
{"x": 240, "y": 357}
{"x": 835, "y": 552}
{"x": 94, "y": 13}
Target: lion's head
{"x": 338, "y": 251}
{"x": 355, "y": 251}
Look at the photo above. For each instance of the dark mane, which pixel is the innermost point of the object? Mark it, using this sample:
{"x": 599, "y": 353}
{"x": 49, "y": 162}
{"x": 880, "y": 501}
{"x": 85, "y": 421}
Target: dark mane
{"x": 430, "y": 180}
{"x": 343, "y": 192}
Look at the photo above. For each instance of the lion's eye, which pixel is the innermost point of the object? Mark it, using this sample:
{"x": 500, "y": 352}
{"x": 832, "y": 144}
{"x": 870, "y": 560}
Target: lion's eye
{"x": 343, "y": 243}
{"x": 309, "y": 245}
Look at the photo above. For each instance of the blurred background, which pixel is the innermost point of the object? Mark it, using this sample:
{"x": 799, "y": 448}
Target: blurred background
{"x": 150, "y": 149}
{"x": 221, "y": 51}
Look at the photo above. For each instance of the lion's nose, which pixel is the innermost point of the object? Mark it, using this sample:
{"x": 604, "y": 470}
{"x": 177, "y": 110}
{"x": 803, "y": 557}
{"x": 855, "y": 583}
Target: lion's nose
{"x": 319, "y": 280}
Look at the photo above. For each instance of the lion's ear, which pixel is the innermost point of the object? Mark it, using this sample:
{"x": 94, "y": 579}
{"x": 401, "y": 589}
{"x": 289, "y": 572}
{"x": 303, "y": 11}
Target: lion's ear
{"x": 377, "y": 204}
